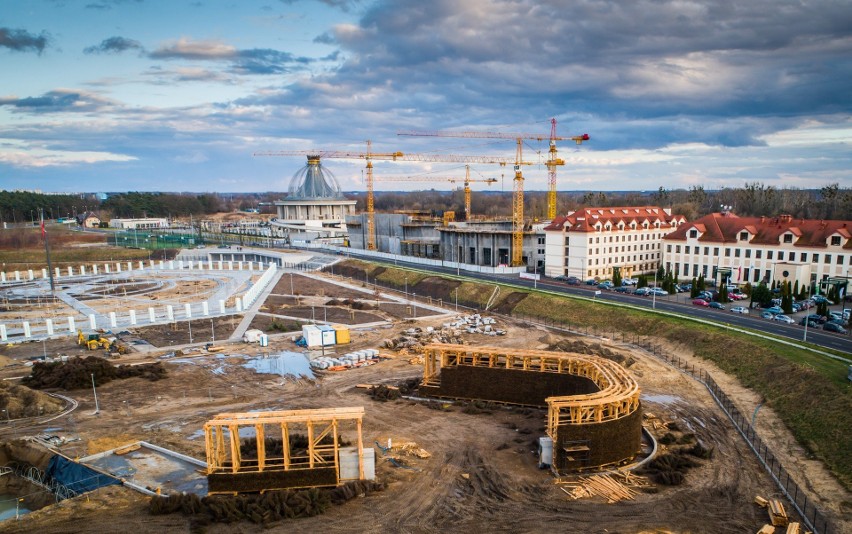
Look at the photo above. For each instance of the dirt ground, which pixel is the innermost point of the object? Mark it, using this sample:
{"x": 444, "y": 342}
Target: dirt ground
{"x": 481, "y": 477}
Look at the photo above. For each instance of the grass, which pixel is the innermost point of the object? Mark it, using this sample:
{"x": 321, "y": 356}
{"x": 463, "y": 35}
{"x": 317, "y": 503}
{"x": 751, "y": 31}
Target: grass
{"x": 809, "y": 392}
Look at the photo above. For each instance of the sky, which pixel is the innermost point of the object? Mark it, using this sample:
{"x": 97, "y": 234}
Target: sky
{"x": 179, "y": 95}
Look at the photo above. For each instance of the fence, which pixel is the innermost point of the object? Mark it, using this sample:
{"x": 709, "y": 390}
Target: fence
{"x": 813, "y": 518}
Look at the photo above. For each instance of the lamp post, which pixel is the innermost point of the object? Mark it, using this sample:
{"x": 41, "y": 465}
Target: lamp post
{"x": 212, "y": 331}
{"x": 95, "y": 391}
{"x": 406, "y": 287}
{"x": 654, "y": 293}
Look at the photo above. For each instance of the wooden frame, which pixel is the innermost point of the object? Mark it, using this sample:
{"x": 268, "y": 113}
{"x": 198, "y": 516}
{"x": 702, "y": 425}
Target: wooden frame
{"x": 222, "y": 440}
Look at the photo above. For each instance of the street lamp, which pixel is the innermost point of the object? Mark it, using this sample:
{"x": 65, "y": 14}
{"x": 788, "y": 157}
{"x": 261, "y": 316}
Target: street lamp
{"x": 654, "y": 293}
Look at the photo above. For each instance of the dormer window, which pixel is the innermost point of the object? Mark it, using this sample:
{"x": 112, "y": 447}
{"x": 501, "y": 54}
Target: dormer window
{"x": 693, "y": 233}
{"x": 788, "y": 238}
{"x": 743, "y": 236}
{"x": 835, "y": 240}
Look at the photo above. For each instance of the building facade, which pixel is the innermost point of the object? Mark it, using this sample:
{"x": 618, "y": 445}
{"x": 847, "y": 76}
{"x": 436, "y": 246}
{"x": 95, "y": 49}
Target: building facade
{"x": 761, "y": 249}
{"x": 595, "y": 242}
{"x": 139, "y": 224}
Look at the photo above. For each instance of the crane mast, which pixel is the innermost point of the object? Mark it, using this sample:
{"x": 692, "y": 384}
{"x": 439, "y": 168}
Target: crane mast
{"x": 369, "y": 156}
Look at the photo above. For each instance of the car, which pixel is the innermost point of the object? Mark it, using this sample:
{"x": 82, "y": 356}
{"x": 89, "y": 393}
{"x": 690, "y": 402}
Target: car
{"x": 783, "y": 318}
{"x": 560, "y": 278}
{"x": 624, "y": 289}
{"x": 643, "y": 291}
{"x": 700, "y": 302}
{"x": 767, "y": 315}
{"x": 740, "y": 309}
{"x": 607, "y": 286}
{"x": 832, "y": 327}
{"x": 591, "y": 282}
{"x": 224, "y": 246}
{"x": 659, "y": 292}
{"x": 573, "y": 281}
{"x": 819, "y": 319}
{"x": 819, "y": 299}
{"x": 717, "y": 306}
{"x": 774, "y": 310}
{"x": 809, "y": 322}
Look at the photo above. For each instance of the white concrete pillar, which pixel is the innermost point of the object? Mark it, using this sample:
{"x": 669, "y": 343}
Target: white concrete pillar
{"x": 56, "y": 272}
{"x": 49, "y": 324}
{"x": 221, "y": 306}
{"x": 43, "y": 274}
{"x": 239, "y": 304}
{"x": 189, "y": 264}
{"x": 31, "y": 274}
{"x": 220, "y": 265}
{"x": 93, "y": 323}
{"x": 118, "y": 267}
{"x": 70, "y": 271}
{"x": 171, "y": 264}
{"x": 82, "y": 270}
{"x": 230, "y": 265}
{"x": 95, "y": 269}
{"x": 112, "y": 322}
{"x": 133, "y": 317}
{"x": 141, "y": 265}
{"x": 71, "y": 326}
{"x": 3, "y": 336}
{"x": 187, "y": 308}
{"x": 251, "y": 266}
{"x": 162, "y": 265}
{"x": 27, "y": 333}
{"x": 151, "y": 315}
{"x": 17, "y": 276}
{"x": 151, "y": 263}
{"x": 3, "y": 277}
{"x": 170, "y": 313}
{"x": 130, "y": 266}
{"x": 107, "y": 268}
{"x": 180, "y": 264}
{"x": 239, "y": 265}
{"x": 205, "y": 309}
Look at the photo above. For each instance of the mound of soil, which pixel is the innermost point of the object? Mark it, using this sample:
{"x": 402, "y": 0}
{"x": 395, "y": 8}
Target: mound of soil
{"x": 20, "y": 401}
{"x": 77, "y": 373}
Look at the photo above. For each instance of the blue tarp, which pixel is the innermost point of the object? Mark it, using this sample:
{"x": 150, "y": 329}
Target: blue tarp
{"x": 77, "y": 477}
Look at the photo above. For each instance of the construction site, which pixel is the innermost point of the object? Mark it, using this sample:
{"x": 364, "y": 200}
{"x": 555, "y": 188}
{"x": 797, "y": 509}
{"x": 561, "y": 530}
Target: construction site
{"x": 418, "y": 408}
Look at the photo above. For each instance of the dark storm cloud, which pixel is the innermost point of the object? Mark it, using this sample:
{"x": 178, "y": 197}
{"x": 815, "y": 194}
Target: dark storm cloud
{"x": 22, "y": 40}
{"x": 55, "y": 101}
{"x": 113, "y": 45}
{"x": 249, "y": 61}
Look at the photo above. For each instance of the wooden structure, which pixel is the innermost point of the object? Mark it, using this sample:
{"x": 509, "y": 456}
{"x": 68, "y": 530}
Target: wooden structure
{"x": 593, "y": 403}
{"x": 229, "y": 470}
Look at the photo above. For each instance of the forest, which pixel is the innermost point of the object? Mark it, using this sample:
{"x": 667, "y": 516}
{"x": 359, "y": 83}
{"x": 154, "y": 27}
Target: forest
{"x": 753, "y": 199}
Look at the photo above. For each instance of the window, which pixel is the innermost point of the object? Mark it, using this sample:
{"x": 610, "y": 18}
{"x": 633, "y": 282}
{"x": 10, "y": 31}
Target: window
{"x": 686, "y": 249}
{"x": 816, "y": 258}
{"x": 597, "y": 240}
{"x": 839, "y": 259}
{"x": 693, "y": 233}
{"x": 828, "y": 258}
{"x": 736, "y": 252}
{"x": 835, "y": 240}
{"x": 669, "y": 249}
{"x": 706, "y": 251}
{"x": 566, "y": 241}
{"x": 541, "y": 240}
{"x": 715, "y": 251}
{"x": 788, "y": 238}
{"x": 758, "y": 254}
{"x": 743, "y": 236}
{"x": 677, "y": 249}
{"x": 769, "y": 254}
{"x": 728, "y": 252}
{"x": 803, "y": 256}
{"x": 748, "y": 253}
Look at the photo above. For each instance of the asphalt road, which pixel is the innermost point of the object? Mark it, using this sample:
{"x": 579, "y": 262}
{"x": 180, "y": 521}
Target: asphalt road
{"x": 680, "y": 304}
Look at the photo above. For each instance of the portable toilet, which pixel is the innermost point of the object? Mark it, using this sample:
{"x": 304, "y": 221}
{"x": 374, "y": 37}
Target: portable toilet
{"x": 312, "y": 335}
{"x": 328, "y": 336}
{"x": 264, "y": 340}
{"x": 341, "y": 334}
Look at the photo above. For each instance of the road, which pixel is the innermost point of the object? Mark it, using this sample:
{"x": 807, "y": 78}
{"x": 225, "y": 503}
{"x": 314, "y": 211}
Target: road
{"x": 680, "y": 304}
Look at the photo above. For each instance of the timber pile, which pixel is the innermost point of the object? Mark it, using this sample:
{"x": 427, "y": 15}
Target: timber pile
{"x": 606, "y": 486}
{"x": 411, "y": 449}
{"x": 777, "y": 513}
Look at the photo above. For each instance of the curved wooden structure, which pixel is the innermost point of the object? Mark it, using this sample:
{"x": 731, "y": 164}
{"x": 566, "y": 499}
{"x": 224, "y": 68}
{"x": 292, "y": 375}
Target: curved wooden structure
{"x": 590, "y": 399}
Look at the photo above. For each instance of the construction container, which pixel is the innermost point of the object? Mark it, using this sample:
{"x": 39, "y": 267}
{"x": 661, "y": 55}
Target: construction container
{"x": 328, "y": 335}
{"x": 545, "y": 452}
{"x": 264, "y": 340}
{"x": 341, "y": 334}
{"x": 348, "y": 458}
{"x": 312, "y": 335}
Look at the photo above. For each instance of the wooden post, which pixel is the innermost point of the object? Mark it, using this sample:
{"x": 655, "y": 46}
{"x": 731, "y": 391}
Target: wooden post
{"x": 261, "y": 446}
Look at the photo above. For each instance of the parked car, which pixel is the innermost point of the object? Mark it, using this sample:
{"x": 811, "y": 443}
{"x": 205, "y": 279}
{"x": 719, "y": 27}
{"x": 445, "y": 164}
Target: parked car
{"x": 774, "y": 310}
{"x": 700, "y": 302}
{"x": 784, "y": 319}
{"x": 740, "y": 309}
{"x": 819, "y": 299}
{"x": 591, "y": 282}
{"x": 767, "y": 315}
{"x": 607, "y": 286}
{"x": 659, "y": 292}
{"x": 810, "y": 322}
{"x": 573, "y": 281}
{"x": 560, "y": 278}
{"x": 624, "y": 289}
{"x": 832, "y": 327}
{"x": 643, "y": 291}
{"x": 717, "y": 306}
{"x": 819, "y": 319}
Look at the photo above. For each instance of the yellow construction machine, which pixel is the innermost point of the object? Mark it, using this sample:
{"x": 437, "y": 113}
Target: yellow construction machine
{"x": 92, "y": 341}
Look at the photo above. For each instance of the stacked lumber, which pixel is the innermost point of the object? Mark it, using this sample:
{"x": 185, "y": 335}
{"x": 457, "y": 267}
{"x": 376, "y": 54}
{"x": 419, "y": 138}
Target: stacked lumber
{"x": 766, "y": 529}
{"x": 777, "y": 514}
{"x": 411, "y": 449}
{"x": 794, "y": 528}
{"x": 601, "y": 486}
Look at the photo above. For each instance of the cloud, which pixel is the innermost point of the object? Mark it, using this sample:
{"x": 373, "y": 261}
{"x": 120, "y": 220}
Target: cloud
{"x": 22, "y": 40}
{"x": 113, "y": 45}
{"x": 187, "y": 74}
{"x": 18, "y": 153}
{"x": 57, "y": 100}
{"x": 249, "y": 61}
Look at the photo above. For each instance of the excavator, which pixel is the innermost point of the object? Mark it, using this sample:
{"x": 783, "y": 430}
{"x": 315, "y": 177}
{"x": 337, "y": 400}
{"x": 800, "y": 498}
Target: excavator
{"x": 97, "y": 341}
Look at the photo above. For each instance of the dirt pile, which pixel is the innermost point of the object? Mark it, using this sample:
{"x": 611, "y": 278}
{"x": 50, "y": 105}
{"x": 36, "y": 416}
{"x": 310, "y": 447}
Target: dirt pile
{"x": 77, "y": 373}
{"x": 414, "y": 338}
{"x": 384, "y": 393}
{"x": 20, "y": 401}
{"x": 266, "y": 509}
{"x": 595, "y": 349}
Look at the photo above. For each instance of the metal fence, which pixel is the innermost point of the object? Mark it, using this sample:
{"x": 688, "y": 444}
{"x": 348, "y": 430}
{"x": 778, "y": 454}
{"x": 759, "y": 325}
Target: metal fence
{"x": 813, "y": 518}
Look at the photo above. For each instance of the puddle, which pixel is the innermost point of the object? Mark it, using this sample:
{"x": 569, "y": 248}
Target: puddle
{"x": 282, "y": 364}
{"x": 8, "y": 507}
{"x": 660, "y": 399}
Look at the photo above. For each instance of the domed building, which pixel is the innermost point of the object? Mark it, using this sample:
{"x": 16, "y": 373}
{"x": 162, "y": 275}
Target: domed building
{"x": 314, "y": 204}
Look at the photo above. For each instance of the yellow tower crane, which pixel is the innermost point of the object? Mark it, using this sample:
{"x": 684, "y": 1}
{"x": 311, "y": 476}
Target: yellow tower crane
{"x": 369, "y": 156}
{"x": 518, "y": 189}
{"x": 433, "y": 178}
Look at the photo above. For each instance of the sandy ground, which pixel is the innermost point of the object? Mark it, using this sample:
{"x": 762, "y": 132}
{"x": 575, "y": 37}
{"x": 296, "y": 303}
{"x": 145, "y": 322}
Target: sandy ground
{"x": 482, "y": 476}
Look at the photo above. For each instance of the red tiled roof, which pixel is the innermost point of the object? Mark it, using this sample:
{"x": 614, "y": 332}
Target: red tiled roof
{"x": 725, "y": 228}
{"x": 584, "y": 220}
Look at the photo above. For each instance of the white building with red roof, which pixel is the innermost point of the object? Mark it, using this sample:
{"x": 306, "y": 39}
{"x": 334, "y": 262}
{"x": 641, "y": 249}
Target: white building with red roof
{"x": 760, "y": 249}
{"x": 593, "y": 242}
